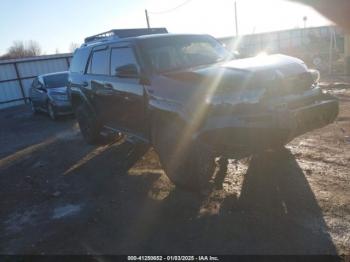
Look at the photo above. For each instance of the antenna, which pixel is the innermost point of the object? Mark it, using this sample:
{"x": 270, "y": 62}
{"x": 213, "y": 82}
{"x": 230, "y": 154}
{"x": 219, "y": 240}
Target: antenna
{"x": 147, "y": 19}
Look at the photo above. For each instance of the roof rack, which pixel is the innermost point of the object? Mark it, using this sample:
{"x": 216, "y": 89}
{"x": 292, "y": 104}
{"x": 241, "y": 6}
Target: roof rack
{"x": 123, "y": 33}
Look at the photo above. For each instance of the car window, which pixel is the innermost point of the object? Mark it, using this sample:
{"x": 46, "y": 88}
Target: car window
{"x": 99, "y": 62}
{"x": 120, "y": 57}
{"x": 59, "y": 80}
{"x": 79, "y": 60}
{"x": 181, "y": 52}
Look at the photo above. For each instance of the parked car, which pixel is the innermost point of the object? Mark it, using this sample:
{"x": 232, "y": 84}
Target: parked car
{"x": 188, "y": 97}
{"x": 48, "y": 93}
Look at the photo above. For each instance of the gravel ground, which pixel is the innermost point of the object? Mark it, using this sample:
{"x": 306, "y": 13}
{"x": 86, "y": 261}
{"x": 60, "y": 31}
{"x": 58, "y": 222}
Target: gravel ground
{"x": 61, "y": 196}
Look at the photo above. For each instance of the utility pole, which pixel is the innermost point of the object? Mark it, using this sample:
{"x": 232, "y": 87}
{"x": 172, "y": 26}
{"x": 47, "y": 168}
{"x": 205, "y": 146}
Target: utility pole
{"x": 236, "y": 19}
{"x": 147, "y": 19}
{"x": 305, "y": 20}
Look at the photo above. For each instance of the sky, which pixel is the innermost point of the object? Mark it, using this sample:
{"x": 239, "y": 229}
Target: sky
{"x": 57, "y": 24}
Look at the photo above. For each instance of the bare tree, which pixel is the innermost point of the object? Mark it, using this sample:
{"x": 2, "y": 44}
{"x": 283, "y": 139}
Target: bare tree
{"x": 21, "y": 49}
{"x": 16, "y": 50}
{"x": 33, "y": 48}
{"x": 73, "y": 46}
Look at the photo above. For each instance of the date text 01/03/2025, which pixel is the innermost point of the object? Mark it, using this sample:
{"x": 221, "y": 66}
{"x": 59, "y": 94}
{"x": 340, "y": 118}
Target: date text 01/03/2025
{"x": 173, "y": 258}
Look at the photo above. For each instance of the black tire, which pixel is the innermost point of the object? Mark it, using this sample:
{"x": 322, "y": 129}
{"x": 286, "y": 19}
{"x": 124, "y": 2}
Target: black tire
{"x": 51, "y": 111}
{"x": 89, "y": 125}
{"x": 33, "y": 108}
{"x": 189, "y": 165}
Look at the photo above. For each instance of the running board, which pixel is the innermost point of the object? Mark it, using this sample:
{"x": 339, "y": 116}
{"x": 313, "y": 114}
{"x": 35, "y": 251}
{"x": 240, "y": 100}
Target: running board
{"x": 108, "y": 131}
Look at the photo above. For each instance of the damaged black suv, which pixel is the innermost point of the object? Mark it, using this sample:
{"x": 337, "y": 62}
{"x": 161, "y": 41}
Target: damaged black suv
{"x": 189, "y": 98}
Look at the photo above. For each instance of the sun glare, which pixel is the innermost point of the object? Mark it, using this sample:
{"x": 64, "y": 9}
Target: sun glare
{"x": 262, "y": 54}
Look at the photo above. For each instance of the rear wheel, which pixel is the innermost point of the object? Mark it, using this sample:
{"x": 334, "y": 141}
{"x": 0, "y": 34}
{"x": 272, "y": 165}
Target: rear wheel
{"x": 188, "y": 164}
{"x": 89, "y": 125}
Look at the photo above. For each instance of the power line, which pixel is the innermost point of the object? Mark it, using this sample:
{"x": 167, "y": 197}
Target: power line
{"x": 171, "y": 9}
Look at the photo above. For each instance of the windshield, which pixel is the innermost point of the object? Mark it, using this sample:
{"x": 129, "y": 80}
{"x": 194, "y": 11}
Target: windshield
{"x": 180, "y": 52}
{"x": 58, "y": 80}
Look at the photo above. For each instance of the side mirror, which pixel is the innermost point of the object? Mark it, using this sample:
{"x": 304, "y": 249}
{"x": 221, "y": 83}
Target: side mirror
{"x": 127, "y": 71}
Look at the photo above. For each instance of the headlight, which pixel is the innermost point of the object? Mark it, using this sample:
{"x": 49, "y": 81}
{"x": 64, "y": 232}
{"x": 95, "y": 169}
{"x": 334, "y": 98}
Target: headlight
{"x": 315, "y": 74}
{"x": 59, "y": 97}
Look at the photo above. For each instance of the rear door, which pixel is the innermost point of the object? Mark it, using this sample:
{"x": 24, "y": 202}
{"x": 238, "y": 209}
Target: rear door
{"x": 77, "y": 72}
{"x": 95, "y": 77}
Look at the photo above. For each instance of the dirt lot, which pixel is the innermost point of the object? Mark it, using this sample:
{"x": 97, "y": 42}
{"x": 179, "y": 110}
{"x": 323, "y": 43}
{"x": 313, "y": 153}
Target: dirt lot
{"x": 61, "y": 196}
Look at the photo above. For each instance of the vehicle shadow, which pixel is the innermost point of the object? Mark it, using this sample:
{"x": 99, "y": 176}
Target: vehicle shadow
{"x": 275, "y": 213}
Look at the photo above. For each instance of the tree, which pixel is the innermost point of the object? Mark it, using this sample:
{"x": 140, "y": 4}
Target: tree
{"x": 17, "y": 50}
{"x": 33, "y": 48}
{"x": 72, "y": 47}
{"x": 20, "y": 49}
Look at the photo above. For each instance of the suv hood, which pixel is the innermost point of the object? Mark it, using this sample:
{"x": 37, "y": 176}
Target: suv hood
{"x": 237, "y": 82}
{"x": 243, "y": 73}
{"x": 284, "y": 64}
{"x": 243, "y": 79}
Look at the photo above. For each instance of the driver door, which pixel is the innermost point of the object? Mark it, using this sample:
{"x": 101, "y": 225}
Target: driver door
{"x": 128, "y": 89}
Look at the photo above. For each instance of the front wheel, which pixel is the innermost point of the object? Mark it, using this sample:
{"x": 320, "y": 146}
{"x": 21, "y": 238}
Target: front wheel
{"x": 33, "y": 107}
{"x": 188, "y": 164}
{"x": 51, "y": 111}
{"x": 89, "y": 125}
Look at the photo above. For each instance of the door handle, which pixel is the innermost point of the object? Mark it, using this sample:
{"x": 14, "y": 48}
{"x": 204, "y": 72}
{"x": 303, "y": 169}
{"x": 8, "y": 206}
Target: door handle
{"x": 104, "y": 92}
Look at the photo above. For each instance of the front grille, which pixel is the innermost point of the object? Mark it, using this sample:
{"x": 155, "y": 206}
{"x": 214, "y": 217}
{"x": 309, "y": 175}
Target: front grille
{"x": 289, "y": 85}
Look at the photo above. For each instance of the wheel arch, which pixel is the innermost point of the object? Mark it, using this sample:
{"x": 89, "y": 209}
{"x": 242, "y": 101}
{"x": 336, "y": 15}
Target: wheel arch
{"x": 78, "y": 98}
{"x": 158, "y": 117}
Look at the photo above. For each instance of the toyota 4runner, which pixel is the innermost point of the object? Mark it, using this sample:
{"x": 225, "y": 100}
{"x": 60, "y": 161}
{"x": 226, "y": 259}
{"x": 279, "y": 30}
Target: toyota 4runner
{"x": 188, "y": 97}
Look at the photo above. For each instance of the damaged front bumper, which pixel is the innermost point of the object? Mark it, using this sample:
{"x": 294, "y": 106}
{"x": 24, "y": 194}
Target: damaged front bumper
{"x": 245, "y": 134}
{"x": 62, "y": 107}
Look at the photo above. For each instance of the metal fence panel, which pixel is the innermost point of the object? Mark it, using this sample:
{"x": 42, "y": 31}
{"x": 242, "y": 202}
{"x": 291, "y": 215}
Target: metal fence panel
{"x": 26, "y": 83}
{"x": 34, "y": 68}
{"x": 10, "y": 91}
{"x": 16, "y": 76}
{"x": 7, "y": 71}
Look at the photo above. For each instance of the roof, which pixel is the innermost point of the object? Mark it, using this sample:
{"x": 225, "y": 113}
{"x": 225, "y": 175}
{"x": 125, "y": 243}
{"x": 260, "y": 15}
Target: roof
{"x": 149, "y": 36}
{"x": 122, "y": 33}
